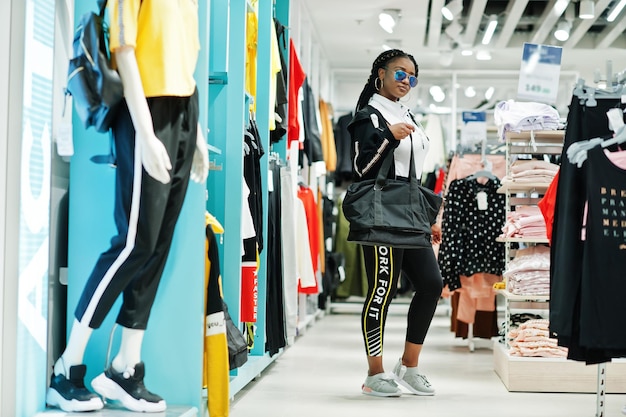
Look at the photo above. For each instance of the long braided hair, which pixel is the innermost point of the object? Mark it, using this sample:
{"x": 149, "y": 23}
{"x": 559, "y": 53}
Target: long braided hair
{"x": 380, "y": 62}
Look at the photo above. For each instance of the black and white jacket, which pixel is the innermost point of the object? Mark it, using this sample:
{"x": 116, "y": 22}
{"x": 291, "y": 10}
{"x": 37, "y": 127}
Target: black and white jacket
{"x": 371, "y": 142}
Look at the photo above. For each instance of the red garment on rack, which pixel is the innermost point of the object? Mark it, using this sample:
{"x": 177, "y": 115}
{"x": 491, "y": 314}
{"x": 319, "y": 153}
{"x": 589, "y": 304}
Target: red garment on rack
{"x": 310, "y": 207}
{"x": 547, "y": 204}
{"x": 296, "y": 79}
{"x": 441, "y": 176}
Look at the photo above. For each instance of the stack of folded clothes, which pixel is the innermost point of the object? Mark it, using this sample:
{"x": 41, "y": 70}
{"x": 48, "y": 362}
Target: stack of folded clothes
{"x": 519, "y": 116}
{"x": 525, "y": 221}
{"x": 524, "y": 171}
{"x": 531, "y": 339}
{"x": 529, "y": 272}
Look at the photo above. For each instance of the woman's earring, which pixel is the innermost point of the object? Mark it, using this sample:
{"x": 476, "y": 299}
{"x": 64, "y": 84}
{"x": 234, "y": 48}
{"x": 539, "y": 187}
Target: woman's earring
{"x": 379, "y": 85}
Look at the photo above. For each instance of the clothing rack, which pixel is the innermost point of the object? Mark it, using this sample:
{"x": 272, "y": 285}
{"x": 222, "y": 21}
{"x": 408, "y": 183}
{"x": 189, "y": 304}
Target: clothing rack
{"x": 615, "y": 86}
{"x": 577, "y": 154}
{"x": 601, "y": 390}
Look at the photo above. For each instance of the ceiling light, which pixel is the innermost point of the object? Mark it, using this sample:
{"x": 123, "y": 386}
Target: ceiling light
{"x": 586, "y": 9}
{"x": 489, "y": 93}
{"x": 470, "y": 92}
{"x": 483, "y": 55}
{"x": 491, "y": 28}
{"x": 562, "y": 31}
{"x": 437, "y": 93}
{"x": 388, "y": 19}
{"x": 560, "y": 7}
{"x": 616, "y": 11}
{"x": 467, "y": 52}
{"x": 452, "y": 9}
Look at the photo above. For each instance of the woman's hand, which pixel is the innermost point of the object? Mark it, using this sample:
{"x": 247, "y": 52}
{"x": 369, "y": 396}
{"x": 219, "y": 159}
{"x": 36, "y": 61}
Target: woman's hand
{"x": 435, "y": 233}
{"x": 401, "y": 130}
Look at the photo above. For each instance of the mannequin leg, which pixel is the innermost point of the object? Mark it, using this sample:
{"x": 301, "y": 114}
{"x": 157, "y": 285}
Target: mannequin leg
{"x": 130, "y": 349}
{"x": 67, "y": 387}
{"x": 75, "y": 349}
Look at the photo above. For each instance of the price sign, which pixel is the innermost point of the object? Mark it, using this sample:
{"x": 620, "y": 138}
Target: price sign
{"x": 539, "y": 73}
{"x": 474, "y": 128}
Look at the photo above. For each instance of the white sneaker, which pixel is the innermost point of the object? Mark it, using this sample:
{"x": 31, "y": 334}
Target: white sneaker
{"x": 381, "y": 385}
{"x": 413, "y": 381}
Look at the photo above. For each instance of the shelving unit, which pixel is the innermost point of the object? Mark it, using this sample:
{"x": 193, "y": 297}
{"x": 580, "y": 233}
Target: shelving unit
{"x": 536, "y": 374}
{"x": 525, "y": 193}
{"x": 228, "y": 118}
{"x": 523, "y": 374}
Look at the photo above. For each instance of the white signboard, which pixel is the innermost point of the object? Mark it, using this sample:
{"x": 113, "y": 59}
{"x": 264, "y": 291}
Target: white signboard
{"x": 539, "y": 73}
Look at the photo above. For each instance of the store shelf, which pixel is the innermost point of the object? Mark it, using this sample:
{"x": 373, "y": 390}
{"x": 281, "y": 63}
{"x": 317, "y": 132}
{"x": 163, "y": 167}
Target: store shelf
{"x": 218, "y": 77}
{"x": 530, "y": 298}
{"x": 537, "y": 149}
{"x": 548, "y": 142}
{"x": 250, "y": 370}
{"x": 522, "y": 240}
{"x": 541, "y": 136}
{"x": 513, "y": 187}
{"x": 114, "y": 410}
{"x": 523, "y": 374}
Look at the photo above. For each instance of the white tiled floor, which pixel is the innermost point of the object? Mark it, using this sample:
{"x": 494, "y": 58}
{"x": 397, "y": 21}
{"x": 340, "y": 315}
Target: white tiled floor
{"x": 321, "y": 375}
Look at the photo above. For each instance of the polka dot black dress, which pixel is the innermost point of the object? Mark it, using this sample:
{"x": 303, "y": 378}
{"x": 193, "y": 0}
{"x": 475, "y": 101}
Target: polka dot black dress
{"x": 472, "y": 219}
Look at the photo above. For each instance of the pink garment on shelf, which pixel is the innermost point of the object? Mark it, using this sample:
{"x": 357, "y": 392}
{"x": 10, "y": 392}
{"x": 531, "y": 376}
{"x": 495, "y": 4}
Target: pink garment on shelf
{"x": 524, "y": 221}
{"x": 523, "y": 165}
{"x": 476, "y": 294}
{"x": 531, "y": 339}
{"x": 533, "y": 173}
{"x": 466, "y": 165}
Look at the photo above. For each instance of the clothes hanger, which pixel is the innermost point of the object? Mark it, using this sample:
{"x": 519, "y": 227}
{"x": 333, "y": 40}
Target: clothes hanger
{"x": 486, "y": 172}
{"x": 577, "y": 151}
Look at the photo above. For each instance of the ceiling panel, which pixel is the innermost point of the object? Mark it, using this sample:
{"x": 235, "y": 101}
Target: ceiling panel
{"x": 350, "y": 38}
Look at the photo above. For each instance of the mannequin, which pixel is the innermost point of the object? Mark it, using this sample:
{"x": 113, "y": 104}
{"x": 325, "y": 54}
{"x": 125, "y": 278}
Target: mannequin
{"x": 160, "y": 147}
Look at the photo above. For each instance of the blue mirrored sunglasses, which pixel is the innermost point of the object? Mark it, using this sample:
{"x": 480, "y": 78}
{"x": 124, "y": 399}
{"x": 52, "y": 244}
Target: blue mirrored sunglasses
{"x": 400, "y": 75}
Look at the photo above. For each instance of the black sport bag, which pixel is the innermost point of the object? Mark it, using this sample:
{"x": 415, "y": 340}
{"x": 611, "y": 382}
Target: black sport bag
{"x": 96, "y": 89}
{"x": 391, "y": 212}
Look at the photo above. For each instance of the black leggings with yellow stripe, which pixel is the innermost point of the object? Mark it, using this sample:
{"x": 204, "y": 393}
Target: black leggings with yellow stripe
{"x": 383, "y": 266}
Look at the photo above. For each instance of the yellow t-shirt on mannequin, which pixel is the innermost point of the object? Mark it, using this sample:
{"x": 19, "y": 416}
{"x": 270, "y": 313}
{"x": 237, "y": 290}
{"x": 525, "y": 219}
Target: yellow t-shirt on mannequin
{"x": 164, "y": 34}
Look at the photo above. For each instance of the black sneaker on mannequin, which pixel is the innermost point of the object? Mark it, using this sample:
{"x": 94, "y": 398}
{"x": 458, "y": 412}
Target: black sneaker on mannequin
{"x": 71, "y": 395}
{"x": 127, "y": 387}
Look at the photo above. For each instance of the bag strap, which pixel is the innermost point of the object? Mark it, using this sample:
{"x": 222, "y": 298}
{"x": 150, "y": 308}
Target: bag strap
{"x": 383, "y": 172}
{"x": 102, "y": 5}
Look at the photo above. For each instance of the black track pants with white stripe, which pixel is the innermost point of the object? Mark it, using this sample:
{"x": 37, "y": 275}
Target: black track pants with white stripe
{"x": 383, "y": 266}
{"x": 146, "y": 212}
